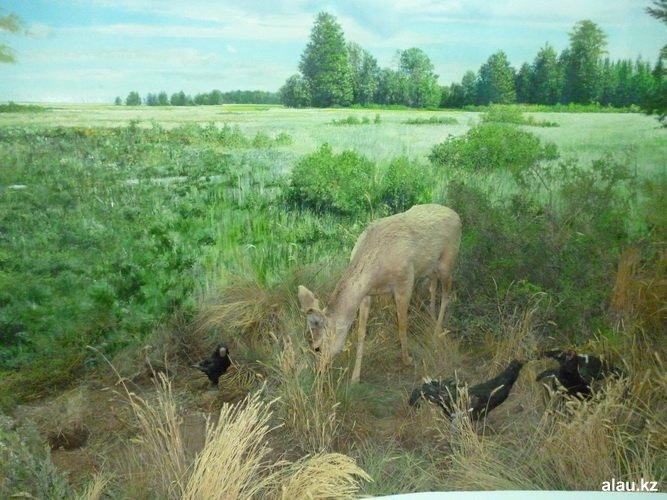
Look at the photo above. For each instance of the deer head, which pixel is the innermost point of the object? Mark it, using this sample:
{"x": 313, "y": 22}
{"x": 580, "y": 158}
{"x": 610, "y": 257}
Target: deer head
{"x": 325, "y": 336}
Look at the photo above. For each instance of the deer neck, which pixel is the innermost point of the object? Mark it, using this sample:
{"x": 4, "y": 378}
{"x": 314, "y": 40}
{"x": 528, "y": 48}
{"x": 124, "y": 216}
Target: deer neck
{"x": 344, "y": 303}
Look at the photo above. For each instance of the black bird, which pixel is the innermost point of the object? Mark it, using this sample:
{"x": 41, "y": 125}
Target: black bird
{"x": 482, "y": 398}
{"x": 576, "y": 372}
{"x": 216, "y": 365}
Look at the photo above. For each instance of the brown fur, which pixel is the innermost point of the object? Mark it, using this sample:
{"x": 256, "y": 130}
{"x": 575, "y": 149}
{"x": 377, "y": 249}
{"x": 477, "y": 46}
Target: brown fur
{"x": 388, "y": 258}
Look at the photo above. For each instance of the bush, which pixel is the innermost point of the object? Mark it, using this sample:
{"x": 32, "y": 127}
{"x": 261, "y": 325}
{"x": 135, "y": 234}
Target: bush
{"x": 12, "y": 107}
{"x": 353, "y": 120}
{"x": 404, "y": 184}
{"x": 432, "y": 120}
{"x": 340, "y": 183}
{"x": 512, "y": 114}
{"x": 493, "y": 146}
{"x": 25, "y": 465}
{"x": 567, "y": 248}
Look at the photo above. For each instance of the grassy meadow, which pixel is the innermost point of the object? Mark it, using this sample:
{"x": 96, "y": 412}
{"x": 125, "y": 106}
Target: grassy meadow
{"x": 132, "y": 240}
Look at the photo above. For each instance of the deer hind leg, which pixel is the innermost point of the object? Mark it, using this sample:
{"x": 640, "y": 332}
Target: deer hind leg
{"x": 433, "y": 287}
{"x": 446, "y": 288}
{"x": 364, "y": 309}
{"x": 445, "y": 272}
{"x": 402, "y": 296}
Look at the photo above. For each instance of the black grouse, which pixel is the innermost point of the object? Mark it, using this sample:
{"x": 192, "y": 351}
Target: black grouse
{"x": 576, "y": 372}
{"x": 482, "y": 398}
{"x": 216, "y": 365}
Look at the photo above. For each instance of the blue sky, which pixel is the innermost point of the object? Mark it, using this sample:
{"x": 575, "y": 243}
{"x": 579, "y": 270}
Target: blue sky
{"x": 93, "y": 50}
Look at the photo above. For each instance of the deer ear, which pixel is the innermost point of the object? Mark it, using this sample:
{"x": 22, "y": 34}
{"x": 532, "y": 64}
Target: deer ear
{"x": 307, "y": 300}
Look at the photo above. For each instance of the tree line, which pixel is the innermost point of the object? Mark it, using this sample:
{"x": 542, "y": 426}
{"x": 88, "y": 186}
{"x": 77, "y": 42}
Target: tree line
{"x": 215, "y": 97}
{"x": 334, "y": 72}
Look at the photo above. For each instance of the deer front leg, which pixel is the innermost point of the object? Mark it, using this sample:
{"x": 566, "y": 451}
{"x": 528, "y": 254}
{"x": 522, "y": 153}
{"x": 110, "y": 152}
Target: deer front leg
{"x": 364, "y": 309}
{"x": 402, "y": 298}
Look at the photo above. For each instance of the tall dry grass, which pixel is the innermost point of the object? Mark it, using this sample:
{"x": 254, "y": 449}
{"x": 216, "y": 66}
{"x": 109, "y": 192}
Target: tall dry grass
{"x": 160, "y": 452}
{"x": 574, "y": 447}
{"x": 308, "y": 395}
{"x": 323, "y": 475}
{"x": 235, "y": 460}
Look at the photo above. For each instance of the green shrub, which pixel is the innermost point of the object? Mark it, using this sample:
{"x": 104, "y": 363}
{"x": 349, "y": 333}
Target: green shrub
{"x": 432, "y": 120}
{"x": 493, "y": 146}
{"x": 340, "y": 183}
{"x": 565, "y": 245}
{"x": 353, "y": 120}
{"x": 26, "y": 470}
{"x": 404, "y": 184}
{"x": 512, "y": 114}
{"x": 12, "y": 107}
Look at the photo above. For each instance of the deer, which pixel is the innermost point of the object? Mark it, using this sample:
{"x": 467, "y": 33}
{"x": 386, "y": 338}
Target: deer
{"x": 389, "y": 257}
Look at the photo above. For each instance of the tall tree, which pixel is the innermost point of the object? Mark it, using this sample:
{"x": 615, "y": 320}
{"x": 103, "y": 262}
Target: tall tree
{"x": 422, "y": 82}
{"x": 496, "y": 81}
{"x": 523, "y": 83}
{"x": 133, "y": 99}
{"x": 365, "y": 73}
{"x": 469, "y": 88}
{"x": 547, "y": 78}
{"x": 325, "y": 66}
{"x": 11, "y": 23}
{"x": 162, "y": 99}
{"x": 392, "y": 87}
{"x": 295, "y": 93}
{"x": 657, "y": 101}
{"x": 587, "y": 46}
{"x": 215, "y": 97}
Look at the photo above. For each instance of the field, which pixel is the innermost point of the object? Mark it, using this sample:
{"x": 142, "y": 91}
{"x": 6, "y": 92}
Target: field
{"x": 135, "y": 239}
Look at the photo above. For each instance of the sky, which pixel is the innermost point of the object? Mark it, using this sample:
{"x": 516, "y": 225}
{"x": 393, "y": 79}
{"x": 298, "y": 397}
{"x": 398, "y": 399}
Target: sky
{"x": 94, "y": 50}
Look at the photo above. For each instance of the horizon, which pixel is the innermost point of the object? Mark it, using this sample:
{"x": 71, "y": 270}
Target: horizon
{"x": 91, "y": 52}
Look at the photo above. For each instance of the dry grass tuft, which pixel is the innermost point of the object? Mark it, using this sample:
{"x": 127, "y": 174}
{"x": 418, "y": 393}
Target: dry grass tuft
{"x": 308, "y": 396}
{"x": 95, "y": 488}
{"x": 640, "y": 294}
{"x": 235, "y": 460}
{"x": 243, "y": 305}
{"x": 161, "y": 452}
{"x": 574, "y": 448}
{"x": 324, "y": 475}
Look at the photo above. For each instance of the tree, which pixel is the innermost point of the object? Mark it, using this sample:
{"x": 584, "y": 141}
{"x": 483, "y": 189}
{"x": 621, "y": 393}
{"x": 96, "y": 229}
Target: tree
{"x": 547, "y": 78}
{"x": 523, "y": 83}
{"x": 365, "y": 73}
{"x": 11, "y": 23}
{"x": 118, "y": 101}
{"x": 587, "y": 46}
{"x": 469, "y": 88}
{"x": 133, "y": 99}
{"x": 178, "y": 99}
{"x": 162, "y": 99}
{"x": 659, "y": 10}
{"x": 151, "y": 100}
{"x": 422, "y": 83}
{"x": 392, "y": 87}
{"x": 452, "y": 96}
{"x": 295, "y": 93}
{"x": 496, "y": 81}
{"x": 656, "y": 103}
{"x": 324, "y": 64}
{"x": 215, "y": 97}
